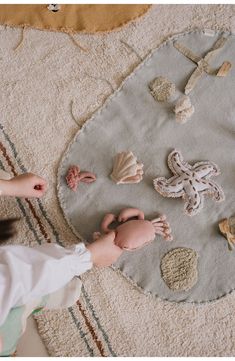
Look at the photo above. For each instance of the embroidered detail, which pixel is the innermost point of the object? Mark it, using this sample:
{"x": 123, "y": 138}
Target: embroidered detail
{"x": 77, "y": 43}
{"x": 191, "y": 183}
{"x": 132, "y": 50}
{"x": 183, "y": 110}
{"x": 126, "y": 169}
{"x": 75, "y": 176}
{"x": 162, "y": 89}
{"x": 202, "y": 63}
{"x": 54, "y": 7}
{"x": 227, "y": 228}
{"x": 21, "y": 39}
{"x": 179, "y": 269}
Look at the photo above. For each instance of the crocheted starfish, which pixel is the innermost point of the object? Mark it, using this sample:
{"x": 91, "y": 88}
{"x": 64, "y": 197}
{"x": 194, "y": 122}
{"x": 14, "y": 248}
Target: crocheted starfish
{"x": 191, "y": 182}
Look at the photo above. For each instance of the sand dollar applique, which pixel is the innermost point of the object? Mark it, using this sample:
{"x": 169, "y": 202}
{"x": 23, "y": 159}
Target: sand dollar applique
{"x": 162, "y": 89}
{"x": 190, "y": 182}
{"x": 179, "y": 269}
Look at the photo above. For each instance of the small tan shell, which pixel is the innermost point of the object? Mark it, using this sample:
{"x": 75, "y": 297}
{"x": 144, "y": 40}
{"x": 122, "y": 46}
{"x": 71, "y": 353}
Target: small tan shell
{"x": 183, "y": 110}
{"x": 126, "y": 169}
{"x": 227, "y": 228}
{"x": 224, "y": 69}
{"x": 162, "y": 89}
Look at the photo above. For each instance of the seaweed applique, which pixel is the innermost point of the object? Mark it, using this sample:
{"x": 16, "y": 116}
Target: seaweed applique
{"x": 203, "y": 63}
{"x": 190, "y": 182}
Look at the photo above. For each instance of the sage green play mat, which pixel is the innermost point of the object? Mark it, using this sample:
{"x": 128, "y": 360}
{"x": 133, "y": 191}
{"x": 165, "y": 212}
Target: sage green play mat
{"x": 197, "y": 265}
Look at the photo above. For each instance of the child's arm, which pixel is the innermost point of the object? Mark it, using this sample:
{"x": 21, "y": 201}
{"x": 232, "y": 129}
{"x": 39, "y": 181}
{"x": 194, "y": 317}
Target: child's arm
{"x": 25, "y": 185}
{"x": 27, "y": 273}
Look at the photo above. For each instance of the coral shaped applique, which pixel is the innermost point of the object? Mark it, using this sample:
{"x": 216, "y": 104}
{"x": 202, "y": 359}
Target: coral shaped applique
{"x": 74, "y": 176}
{"x": 183, "y": 110}
{"x": 161, "y": 89}
{"x": 190, "y": 182}
{"x": 126, "y": 169}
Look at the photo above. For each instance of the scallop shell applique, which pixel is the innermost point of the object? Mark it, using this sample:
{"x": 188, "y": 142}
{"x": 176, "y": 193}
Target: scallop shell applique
{"x": 126, "y": 169}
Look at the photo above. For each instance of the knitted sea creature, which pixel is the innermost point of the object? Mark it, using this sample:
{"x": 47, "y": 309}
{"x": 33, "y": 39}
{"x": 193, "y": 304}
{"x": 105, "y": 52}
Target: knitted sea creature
{"x": 191, "y": 182}
{"x": 126, "y": 169}
{"x": 134, "y": 233}
{"x": 161, "y": 89}
{"x": 75, "y": 176}
{"x": 183, "y": 110}
{"x": 227, "y": 228}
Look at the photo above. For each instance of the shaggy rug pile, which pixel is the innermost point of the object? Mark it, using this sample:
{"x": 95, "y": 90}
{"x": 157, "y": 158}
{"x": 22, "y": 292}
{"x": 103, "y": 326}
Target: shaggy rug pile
{"x": 49, "y": 88}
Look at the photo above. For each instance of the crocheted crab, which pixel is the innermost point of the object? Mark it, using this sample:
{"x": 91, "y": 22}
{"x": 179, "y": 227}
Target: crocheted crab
{"x": 191, "y": 182}
{"x": 134, "y": 233}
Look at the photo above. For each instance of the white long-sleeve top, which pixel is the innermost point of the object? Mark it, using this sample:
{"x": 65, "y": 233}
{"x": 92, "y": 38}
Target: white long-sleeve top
{"x": 30, "y": 273}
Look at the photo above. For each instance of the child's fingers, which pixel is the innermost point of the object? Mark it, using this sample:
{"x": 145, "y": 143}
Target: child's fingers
{"x": 39, "y": 184}
{"x": 37, "y": 193}
{"x": 168, "y": 237}
{"x": 109, "y": 236}
{"x": 40, "y": 187}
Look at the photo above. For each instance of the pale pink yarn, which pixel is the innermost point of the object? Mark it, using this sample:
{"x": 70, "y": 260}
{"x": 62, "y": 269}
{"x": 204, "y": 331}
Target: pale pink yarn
{"x": 75, "y": 176}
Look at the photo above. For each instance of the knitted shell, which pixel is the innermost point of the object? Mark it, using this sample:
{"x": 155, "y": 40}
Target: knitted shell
{"x": 126, "y": 169}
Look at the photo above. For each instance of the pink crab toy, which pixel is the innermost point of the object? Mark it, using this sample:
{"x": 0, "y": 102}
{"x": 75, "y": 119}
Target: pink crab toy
{"x": 134, "y": 233}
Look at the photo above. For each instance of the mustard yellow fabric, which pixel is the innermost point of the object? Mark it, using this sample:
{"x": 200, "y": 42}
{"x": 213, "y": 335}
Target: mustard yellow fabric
{"x": 71, "y": 18}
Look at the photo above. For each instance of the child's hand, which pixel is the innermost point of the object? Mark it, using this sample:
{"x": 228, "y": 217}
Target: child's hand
{"x": 25, "y": 185}
{"x": 103, "y": 251}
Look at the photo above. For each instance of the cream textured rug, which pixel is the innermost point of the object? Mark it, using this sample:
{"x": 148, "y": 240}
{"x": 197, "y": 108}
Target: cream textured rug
{"x": 42, "y": 81}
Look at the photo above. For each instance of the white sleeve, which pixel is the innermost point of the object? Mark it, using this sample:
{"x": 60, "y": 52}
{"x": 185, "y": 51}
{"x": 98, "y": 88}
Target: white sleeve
{"x": 28, "y": 273}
